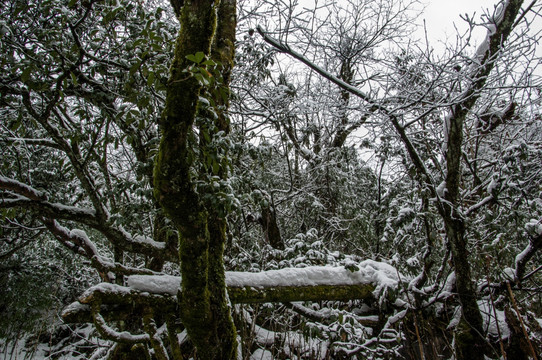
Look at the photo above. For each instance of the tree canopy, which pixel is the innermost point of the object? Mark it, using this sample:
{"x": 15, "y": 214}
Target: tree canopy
{"x": 215, "y": 179}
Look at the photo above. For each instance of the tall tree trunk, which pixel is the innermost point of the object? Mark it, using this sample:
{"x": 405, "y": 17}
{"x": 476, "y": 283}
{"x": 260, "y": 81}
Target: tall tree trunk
{"x": 469, "y": 336}
{"x": 207, "y": 26}
{"x": 223, "y": 52}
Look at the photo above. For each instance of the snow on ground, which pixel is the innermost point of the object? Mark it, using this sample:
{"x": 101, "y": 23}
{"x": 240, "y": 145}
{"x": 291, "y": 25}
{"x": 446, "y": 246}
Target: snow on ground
{"x": 26, "y": 348}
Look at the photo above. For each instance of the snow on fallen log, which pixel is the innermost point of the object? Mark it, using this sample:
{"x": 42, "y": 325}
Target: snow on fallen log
{"x": 363, "y": 281}
{"x": 368, "y": 280}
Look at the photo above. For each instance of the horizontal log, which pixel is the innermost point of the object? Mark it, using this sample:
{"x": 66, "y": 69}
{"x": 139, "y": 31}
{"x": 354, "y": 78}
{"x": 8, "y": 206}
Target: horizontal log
{"x": 246, "y": 295}
{"x": 363, "y": 281}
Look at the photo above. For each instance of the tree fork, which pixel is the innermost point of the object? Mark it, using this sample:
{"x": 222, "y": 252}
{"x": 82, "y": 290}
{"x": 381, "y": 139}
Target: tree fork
{"x": 203, "y": 303}
{"x": 469, "y": 342}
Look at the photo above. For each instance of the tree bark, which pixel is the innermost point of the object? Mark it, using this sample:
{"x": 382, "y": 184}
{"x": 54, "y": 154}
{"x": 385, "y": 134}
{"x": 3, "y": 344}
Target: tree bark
{"x": 207, "y": 26}
{"x": 270, "y": 227}
{"x": 469, "y": 342}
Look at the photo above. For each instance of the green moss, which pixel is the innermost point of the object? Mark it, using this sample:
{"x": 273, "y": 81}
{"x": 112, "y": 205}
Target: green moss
{"x": 300, "y": 293}
{"x": 203, "y": 304}
{"x": 468, "y": 344}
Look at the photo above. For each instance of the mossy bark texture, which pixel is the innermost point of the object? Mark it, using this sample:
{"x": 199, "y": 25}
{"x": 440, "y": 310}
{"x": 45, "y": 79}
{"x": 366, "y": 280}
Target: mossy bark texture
{"x": 117, "y": 305}
{"x": 250, "y": 295}
{"x": 207, "y": 26}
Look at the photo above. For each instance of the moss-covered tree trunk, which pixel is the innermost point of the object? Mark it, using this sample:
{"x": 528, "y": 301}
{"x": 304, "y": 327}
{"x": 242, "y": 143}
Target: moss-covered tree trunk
{"x": 207, "y": 26}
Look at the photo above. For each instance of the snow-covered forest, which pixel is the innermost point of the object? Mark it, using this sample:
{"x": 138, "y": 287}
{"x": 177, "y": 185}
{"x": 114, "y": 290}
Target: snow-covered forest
{"x": 260, "y": 179}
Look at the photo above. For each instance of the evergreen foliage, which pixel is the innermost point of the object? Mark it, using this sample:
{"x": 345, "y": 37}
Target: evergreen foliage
{"x": 254, "y": 137}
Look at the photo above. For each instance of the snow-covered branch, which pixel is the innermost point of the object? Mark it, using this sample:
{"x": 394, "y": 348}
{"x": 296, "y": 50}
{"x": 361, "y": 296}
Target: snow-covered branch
{"x": 487, "y": 200}
{"x": 370, "y": 281}
{"x": 78, "y": 241}
{"x": 45, "y": 208}
{"x": 21, "y": 189}
{"x": 109, "y": 333}
{"x": 24, "y": 196}
{"x": 326, "y": 74}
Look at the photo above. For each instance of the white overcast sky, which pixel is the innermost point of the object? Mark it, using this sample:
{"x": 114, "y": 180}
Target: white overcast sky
{"x": 440, "y": 16}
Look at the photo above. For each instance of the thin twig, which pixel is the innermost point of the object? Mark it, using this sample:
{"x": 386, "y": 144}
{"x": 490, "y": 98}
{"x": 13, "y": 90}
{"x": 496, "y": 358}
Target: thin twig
{"x": 533, "y": 353}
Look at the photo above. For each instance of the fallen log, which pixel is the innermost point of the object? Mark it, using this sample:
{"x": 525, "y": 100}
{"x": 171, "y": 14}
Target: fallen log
{"x": 368, "y": 280}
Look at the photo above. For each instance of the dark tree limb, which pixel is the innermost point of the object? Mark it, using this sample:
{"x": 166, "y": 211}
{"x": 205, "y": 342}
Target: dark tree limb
{"x": 19, "y": 195}
{"x": 469, "y": 343}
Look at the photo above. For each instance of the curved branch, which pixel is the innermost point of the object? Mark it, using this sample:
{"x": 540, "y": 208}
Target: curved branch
{"x": 78, "y": 241}
{"x": 109, "y": 333}
{"x": 70, "y": 149}
{"x": 29, "y": 198}
{"x": 156, "y": 342}
{"x": 522, "y": 258}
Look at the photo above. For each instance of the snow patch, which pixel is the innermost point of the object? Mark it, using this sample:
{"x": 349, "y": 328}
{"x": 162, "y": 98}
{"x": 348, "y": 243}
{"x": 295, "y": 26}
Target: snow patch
{"x": 441, "y": 189}
{"x": 157, "y": 284}
{"x": 534, "y": 226}
{"x": 490, "y": 323}
{"x": 382, "y": 275}
{"x": 261, "y": 354}
{"x": 509, "y": 273}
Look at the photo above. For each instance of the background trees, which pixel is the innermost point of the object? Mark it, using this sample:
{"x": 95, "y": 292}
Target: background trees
{"x": 78, "y": 134}
{"x": 367, "y": 166}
